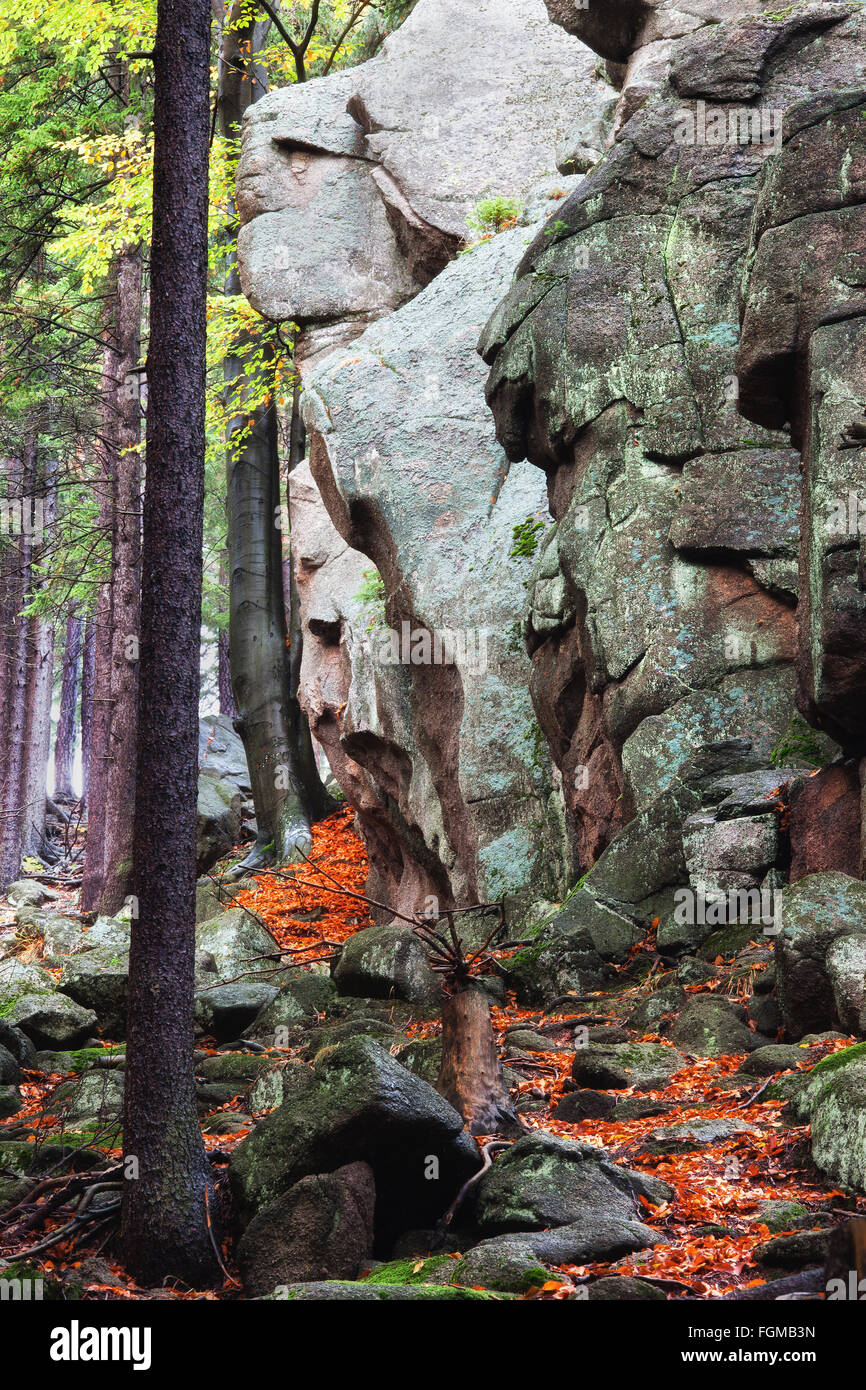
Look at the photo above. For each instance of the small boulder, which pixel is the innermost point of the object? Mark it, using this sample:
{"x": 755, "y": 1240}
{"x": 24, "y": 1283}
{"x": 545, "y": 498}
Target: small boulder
{"x": 362, "y": 1106}
{"x": 619, "y": 1067}
{"x": 386, "y": 963}
{"x": 10, "y": 1072}
{"x": 99, "y": 980}
{"x": 226, "y": 1010}
{"x": 766, "y": 1061}
{"x": 52, "y": 1021}
{"x": 321, "y": 1228}
{"x": 543, "y": 1180}
{"x": 712, "y": 1027}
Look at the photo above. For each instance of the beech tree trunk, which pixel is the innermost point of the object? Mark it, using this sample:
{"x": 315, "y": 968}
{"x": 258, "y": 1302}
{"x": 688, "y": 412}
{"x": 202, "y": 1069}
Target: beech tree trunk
{"x": 224, "y": 675}
{"x": 64, "y": 743}
{"x": 470, "y": 1076}
{"x": 125, "y": 595}
{"x": 40, "y": 659}
{"x": 167, "y": 1197}
{"x": 108, "y": 861}
{"x": 18, "y": 556}
{"x": 88, "y": 658}
{"x": 287, "y": 790}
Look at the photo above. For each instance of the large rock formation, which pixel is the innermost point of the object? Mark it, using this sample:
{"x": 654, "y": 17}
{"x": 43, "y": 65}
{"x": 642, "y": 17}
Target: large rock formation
{"x": 355, "y": 192}
{"x": 663, "y": 609}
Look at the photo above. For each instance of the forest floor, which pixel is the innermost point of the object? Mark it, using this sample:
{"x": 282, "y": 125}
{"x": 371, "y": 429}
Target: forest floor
{"x": 710, "y": 1229}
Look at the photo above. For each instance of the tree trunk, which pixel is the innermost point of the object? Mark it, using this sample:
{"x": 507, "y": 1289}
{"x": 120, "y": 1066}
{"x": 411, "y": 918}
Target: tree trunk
{"x": 108, "y": 862}
{"x": 470, "y": 1076}
{"x": 224, "y": 675}
{"x": 88, "y": 657}
{"x": 167, "y": 1198}
{"x": 100, "y": 702}
{"x": 64, "y": 743}
{"x": 287, "y": 790}
{"x": 37, "y": 739}
{"x": 125, "y": 595}
{"x": 14, "y": 712}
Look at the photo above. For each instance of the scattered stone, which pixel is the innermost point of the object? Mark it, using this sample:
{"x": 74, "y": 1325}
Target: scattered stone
{"x": 543, "y": 1180}
{"x": 713, "y": 1027}
{"x": 766, "y": 1061}
{"x": 583, "y": 1105}
{"x": 226, "y": 1010}
{"x": 690, "y": 1136}
{"x": 386, "y": 963}
{"x": 321, "y": 1228}
{"x": 643, "y": 1066}
{"x": 52, "y": 1020}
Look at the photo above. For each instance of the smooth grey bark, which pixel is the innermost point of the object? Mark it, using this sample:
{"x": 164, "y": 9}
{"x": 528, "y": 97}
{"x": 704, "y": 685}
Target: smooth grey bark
{"x": 64, "y": 742}
{"x": 287, "y": 791}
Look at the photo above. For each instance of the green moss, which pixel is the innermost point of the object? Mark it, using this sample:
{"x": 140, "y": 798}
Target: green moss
{"x": 836, "y": 1060}
{"x": 408, "y": 1272}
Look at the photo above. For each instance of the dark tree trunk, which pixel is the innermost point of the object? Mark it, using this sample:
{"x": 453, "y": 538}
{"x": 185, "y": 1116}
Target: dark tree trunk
{"x": 88, "y": 657}
{"x": 64, "y": 743}
{"x": 287, "y": 790}
{"x": 470, "y": 1076}
{"x": 166, "y": 1207}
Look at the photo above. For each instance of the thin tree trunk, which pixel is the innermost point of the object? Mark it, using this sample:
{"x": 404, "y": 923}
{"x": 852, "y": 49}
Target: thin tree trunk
{"x": 100, "y": 702}
{"x": 64, "y": 743}
{"x": 224, "y": 676}
{"x": 287, "y": 790}
{"x": 37, "y": 741}
{"x": 88, "y": 657}
{"x": 125, "y": 596}
{"x": 108, "y": 862}
{"x": 166, "y": 1207}
{"x": 15, "y": 709}
{"x": 470, "y": 1076}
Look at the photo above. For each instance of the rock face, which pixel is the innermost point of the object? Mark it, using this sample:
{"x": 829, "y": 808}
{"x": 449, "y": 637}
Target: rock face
{"x": 224, "y": 790}
{"x": 445, "y": 732}
{"x": 821, "y": 955}
{"x": 662, "y": 611}
{"x": 355, "y": 191}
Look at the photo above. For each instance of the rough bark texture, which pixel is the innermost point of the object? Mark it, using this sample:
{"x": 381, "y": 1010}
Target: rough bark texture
{"x": 470, "y": 1076}
{"x": 64, "y": 743}
{"x": 287, "y": 790}
{"x": 166, "y": 1208}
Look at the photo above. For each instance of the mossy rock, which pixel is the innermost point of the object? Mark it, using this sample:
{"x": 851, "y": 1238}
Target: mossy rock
{"x": 236, "y": 1066}
{"x": 728, "y": 942}
{"x": 345, "y": 1292}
